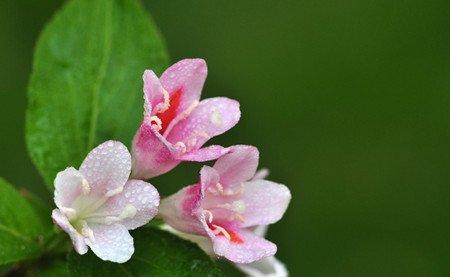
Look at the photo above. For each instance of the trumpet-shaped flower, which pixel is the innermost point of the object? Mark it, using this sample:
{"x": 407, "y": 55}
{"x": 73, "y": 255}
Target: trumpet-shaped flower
{"x": 97, "y": 205}
{"x": 176, "y": 123}
{"x": 227, "y": 204}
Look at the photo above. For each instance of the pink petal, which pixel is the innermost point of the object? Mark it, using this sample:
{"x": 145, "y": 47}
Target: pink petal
{"x": 237, "y": 166}
{"x": 209, "y": 177}
{"x": 152, "y": 154}
{"x": 265, "y": 202}
{"x": 210, "y": 118}
{"x": 204, "y": 154}
{"x": 179, "y": 210}
{"x": 253, "y": 248}
{"x": 138, "y": 194}
{"x": 153, "y": 91}
{"x": 67, "y": 187}
{"x": 261, "y": 174}
{"x": 107, "y": 167}
{"x": 77, "y": 239}
{"x": 189, "y": 75}
{"x": 111, "y": 242}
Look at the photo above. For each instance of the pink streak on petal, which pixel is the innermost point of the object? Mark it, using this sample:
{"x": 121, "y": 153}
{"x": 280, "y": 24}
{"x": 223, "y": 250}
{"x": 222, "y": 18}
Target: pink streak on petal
{"x": 180, "y": 210}
{"x": 152, "y": 154}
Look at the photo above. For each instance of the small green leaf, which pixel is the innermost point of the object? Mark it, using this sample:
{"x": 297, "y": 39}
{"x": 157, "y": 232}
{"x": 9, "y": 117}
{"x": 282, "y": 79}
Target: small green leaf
{"x": 157, "y": 253}
{"x": 86, "y": 85}
{"x": 21, "y": 230}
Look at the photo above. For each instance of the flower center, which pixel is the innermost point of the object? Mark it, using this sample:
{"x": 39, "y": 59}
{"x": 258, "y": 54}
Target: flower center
{"x": 86, "y": 209}
{"x": 231, "y": 211}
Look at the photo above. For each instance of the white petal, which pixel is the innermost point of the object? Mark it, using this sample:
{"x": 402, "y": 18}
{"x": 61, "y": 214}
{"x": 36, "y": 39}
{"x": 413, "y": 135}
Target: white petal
{"x": 77, "y": 239}
{"x": 265, "y": 202}
{"x": 67, "y": 187}
{"x": 267, "y": 267}
{"x": 111, "y": 242}
{"x": 107, "y": 167}
{"x": 138, "y": 203}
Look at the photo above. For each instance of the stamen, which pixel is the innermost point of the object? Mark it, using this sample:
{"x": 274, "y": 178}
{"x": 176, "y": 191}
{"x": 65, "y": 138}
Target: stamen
{"x": 219, "y": 230}
{"x": 69, "y": 212}
{"x": 86, "y": 231}
{"x": 181, "y": 146}
{"x": 193, "y": 139}
{"x": 210, "y": 215}
{"x": 180, "y": 117}
{"x": 128, "y": 212}
{"x": 158, "y": 122}
{"x": 114, "y": 192}
{"x": 85, "y": 188}
{"x": 162, "y": 107}
{"x": 230, "y": 192}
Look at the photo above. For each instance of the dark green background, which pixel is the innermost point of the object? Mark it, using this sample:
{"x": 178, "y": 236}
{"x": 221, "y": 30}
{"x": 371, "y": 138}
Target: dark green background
{"x": 348, "y": 102}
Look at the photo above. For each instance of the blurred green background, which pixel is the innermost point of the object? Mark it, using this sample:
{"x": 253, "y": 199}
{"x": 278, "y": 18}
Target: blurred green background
{"x": 348, "y": 102}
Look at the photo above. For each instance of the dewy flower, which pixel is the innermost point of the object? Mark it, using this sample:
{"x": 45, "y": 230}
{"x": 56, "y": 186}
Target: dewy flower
{"x": 266, "y": 267}
{"x": 97, "y": 205}
{"x": 176, "y": 124}
{"x": 227, "y": 204}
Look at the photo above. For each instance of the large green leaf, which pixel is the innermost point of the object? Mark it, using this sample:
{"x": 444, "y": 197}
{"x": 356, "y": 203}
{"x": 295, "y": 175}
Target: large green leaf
{"x": 22, "y": 232}
{"x": 157, "y": 253}
{"x": 86, "y": 85}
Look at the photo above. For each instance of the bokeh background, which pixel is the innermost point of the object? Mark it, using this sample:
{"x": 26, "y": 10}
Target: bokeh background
{"x": 348, "y": 102}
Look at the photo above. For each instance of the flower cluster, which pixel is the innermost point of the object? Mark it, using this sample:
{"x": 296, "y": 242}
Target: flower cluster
{"x": 226, "y": 212}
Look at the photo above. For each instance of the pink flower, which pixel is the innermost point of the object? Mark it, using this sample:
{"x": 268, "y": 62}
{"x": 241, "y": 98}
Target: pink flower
{"x": 97, "y": 205}
{"x": 227, "y": 204}
{"x": 176, "y": 124}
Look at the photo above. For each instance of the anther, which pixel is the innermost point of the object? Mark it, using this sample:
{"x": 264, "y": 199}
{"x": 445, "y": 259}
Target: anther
{"x": 210, "y": 215}
{"x": 85, "y": 188}
{"x": 222, "y": 230}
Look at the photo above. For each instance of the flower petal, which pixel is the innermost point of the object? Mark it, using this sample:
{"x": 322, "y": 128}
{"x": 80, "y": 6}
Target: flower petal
{"x": 179, "y": 210}
{"x": 265, "y": 202}
{"x": 204, "y": 154}
{"x": 266, "y": 267}
{"x": 189, "y": 75}
{"x": 107, "y": 167}
{"x": 210, "y": 118}
{"x": 237, "y": 166}
{"x": 67, "y": 187}
{"x": 111, "y": 242}
{"x": 153, "y": 91}
{"x": 253, "y": 248}
{"x": 152, "y": 154}
{"x": 139, "y": 199}
{"x": 77, "y": 239}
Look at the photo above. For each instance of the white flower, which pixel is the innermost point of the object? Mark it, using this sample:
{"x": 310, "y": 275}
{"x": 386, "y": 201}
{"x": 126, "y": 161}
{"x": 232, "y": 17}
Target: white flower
{"x": 97, "y": 204}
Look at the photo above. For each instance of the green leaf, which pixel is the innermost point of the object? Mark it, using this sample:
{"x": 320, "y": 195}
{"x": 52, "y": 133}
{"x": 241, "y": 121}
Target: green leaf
{"x": 21, "y": 230}
{"x": 86, "y": 85}
{"x": 157, "y": 253}
{"x": 48, "y": 267}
